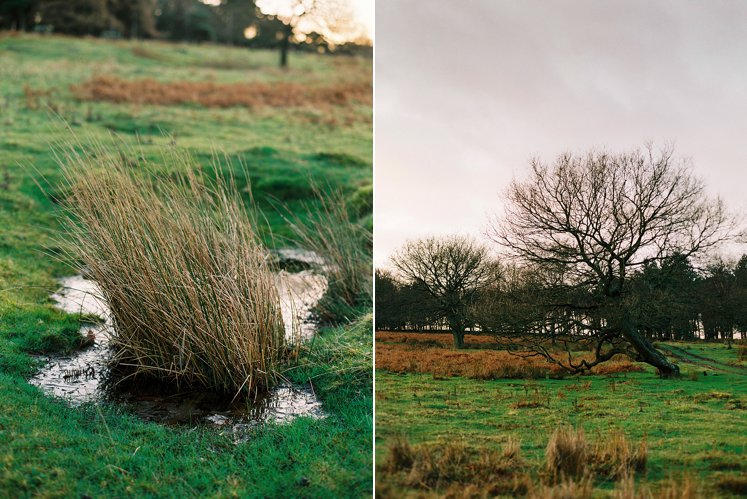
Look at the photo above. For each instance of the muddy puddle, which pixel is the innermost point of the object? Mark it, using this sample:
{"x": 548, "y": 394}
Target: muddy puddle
{"x": 84, "y": 376}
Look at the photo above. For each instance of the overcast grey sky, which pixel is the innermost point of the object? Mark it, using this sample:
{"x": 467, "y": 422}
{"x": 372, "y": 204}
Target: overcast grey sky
{"x": 467, "y": 92}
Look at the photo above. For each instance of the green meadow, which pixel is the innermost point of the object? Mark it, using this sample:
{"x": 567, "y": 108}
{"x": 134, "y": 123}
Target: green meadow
{"x": 278, "y": 157}
{"x": 693, "y": 427}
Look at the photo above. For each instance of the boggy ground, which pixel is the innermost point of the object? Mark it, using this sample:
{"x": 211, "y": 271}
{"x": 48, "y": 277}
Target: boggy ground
{"x": 445, "y": 433}
{"x": 50, "y": 449}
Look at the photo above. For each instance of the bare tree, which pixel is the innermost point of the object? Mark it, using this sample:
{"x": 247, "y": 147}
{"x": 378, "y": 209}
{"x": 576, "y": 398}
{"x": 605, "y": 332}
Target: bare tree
{"x": 451, "y": 270}
{"x": 600, "y": 217}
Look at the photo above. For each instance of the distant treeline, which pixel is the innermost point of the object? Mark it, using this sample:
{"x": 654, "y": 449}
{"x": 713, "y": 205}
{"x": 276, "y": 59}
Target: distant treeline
{"x": 224, "y": 22}
{"x": 671, "y": 300}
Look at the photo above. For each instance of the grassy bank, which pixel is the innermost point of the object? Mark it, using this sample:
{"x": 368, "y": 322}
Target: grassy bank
{"x": 56, "y": 450}
{"x": 693, "y": 427}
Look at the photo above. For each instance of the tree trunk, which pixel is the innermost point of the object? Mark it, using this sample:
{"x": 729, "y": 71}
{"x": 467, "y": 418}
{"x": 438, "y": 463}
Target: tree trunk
{"x": 456, "y": 324}
{"x": 285, "y": 45}
{"x": 458, "y": 339}
{"x": 647, "y": 353}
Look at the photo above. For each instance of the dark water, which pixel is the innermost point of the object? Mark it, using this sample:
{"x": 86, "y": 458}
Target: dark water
{"x": 84, "y": 376}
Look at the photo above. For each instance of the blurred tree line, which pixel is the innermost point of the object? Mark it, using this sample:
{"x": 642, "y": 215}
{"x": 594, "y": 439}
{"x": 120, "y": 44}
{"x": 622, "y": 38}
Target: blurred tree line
{"x": 671, "y": 299}
{"x": 232, "y": 22}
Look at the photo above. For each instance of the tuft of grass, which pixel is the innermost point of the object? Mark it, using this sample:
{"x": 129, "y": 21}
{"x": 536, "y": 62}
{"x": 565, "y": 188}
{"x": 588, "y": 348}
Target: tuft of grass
{"x": 178, "y": 260}
{"x": 683, "y": 488}
{"x": 569, "y": 454}
{"x": 346, "y": 248}
{"x": 454, "y": 465}
{"x": 400, "y": 456}
{"x": 615, "y": 457}
{"x": 568, "y": 488}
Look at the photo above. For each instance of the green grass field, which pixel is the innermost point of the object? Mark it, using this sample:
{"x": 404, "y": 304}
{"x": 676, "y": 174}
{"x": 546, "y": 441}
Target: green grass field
{"x": 693, "y": 426}
{"x": 49, "y": 449}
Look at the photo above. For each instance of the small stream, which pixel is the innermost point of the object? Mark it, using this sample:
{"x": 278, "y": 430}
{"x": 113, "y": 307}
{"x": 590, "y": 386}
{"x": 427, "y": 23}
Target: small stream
{"x": 84, "y": 376}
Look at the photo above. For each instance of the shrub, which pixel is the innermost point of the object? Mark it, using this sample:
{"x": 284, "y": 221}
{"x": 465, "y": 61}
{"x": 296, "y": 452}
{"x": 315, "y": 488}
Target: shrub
{"x": 191, "y": 295}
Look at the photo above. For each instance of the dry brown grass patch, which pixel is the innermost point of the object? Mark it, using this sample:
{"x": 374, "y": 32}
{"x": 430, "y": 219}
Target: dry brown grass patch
{"x": 473, "y": 363}
{"x": 568, "y": 488}
{"x": 682, "y": 488}
{"x": 433, "y": 353}
{"x": 222, "y": 95}
{"x": 433, "y": 339}
{"x": 457, "y": 469}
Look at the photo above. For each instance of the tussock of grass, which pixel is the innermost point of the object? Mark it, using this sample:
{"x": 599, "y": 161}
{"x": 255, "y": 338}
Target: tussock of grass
{"x": 454, "y": 465}
{"x": 179, "y": 262}
{"x": 569, "y": 454}
{"x": 682, "y": 488}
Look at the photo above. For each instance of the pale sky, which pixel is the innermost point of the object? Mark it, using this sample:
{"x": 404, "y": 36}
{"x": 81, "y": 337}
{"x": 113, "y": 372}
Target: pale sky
{"x": 467, "y": 92}
{"x": 362, "y": 12}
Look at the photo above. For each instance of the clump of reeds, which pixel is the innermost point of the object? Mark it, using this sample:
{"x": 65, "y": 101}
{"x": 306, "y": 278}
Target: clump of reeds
{"x": 454, "y": 466}
{"x": 178, "y": 260}
{"x": 345, "y": 246}
{"x": 569, "y": 455}
{"x": 616, "y": 457}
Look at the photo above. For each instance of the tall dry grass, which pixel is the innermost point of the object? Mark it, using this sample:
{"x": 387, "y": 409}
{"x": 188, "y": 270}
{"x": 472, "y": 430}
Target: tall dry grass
{"x": 221, "y": 95}
{"x": 177, "y": 258}
{"x": 432, "y": 354}
{"x": 568, "y": 488}
{"x": 460, "y": 470}
{"x": 570, "y": 455}
{"x": 331, "y": 231}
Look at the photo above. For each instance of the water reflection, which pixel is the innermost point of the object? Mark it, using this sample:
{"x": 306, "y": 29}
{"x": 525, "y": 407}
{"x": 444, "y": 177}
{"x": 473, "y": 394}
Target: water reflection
{"x": 84, "y": 376}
